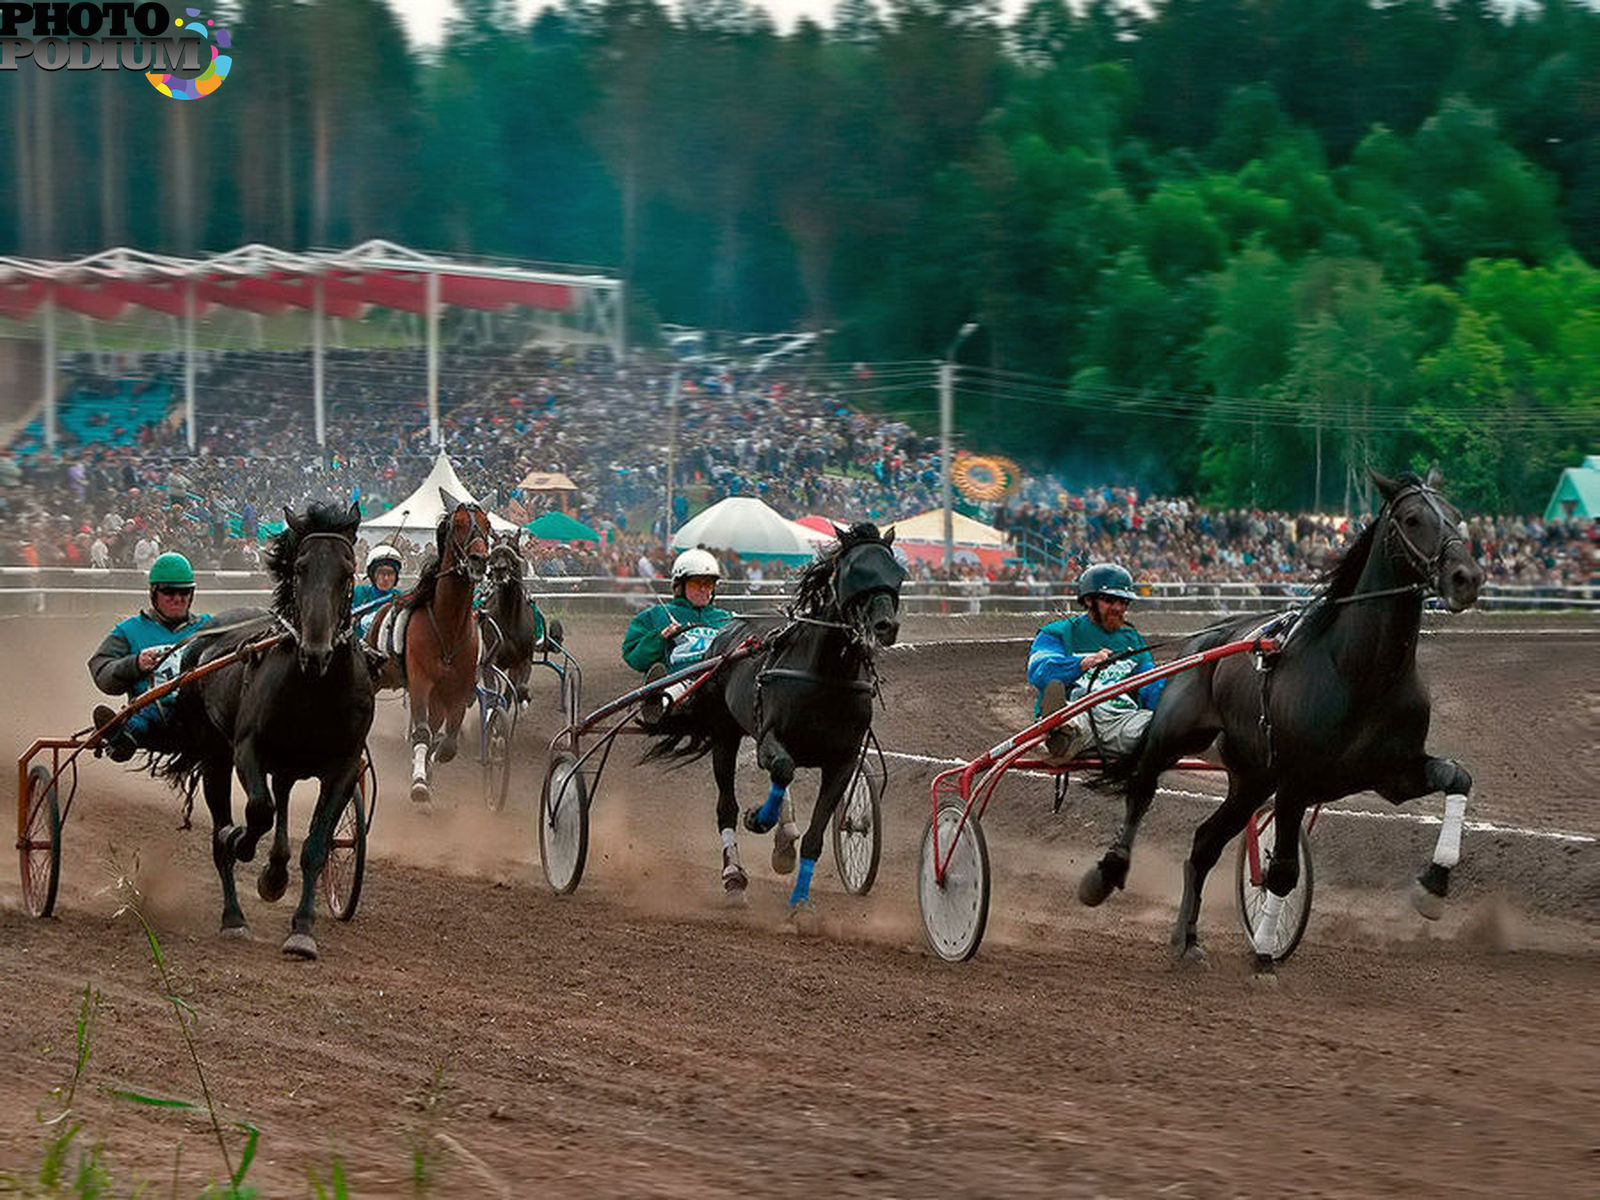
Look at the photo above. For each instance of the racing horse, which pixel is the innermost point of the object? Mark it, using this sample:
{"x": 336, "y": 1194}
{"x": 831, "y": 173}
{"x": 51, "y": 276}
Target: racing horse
{"x": 1340, "y": 708}
{"x": 513, "y": 630}
{"x": 441, "y": 637}
{"x": 805, "y": 698}
{"x": 300, "y": 709}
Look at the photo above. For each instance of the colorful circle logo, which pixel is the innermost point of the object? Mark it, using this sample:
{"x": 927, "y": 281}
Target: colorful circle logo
{"x": 179, "y": 85}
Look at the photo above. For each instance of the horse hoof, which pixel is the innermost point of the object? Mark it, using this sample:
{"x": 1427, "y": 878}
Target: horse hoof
{"x": 273, "y": 881}
{"x": 803, "y": 916}
{"x": 419, "y": 791}
{"x": 734, "y": 879}
{"x": 784, "y": 853}
{"x": 1426, "y": 903}
{"x": 1266, "y": 970}
{"x": 1093, "y": 888}
{"x": 301, "y": 945}
{"x": 236, "y": 933}
{"x": 447, "y": 751}
{"x": 754, "y": 823}
{"x": 1192, "y": 955}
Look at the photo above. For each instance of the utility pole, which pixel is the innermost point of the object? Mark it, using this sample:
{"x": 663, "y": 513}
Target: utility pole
{"x": 947, "y": 404}
{"x": 672, "y": 447}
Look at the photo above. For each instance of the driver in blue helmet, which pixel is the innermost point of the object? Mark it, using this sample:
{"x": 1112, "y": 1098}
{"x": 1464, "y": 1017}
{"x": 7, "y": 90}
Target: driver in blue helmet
{"x": 136, "y": 656}
{"x": 1091, "y": 651}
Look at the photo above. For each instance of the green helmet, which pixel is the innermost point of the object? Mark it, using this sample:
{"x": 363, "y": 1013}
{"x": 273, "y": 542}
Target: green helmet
{"x": 1106, "y": 579}
{"x": 171, "y": 570}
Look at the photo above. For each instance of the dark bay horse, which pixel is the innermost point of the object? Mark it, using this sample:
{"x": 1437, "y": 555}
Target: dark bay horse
{"x": 441, "y": 638}
{"x": 299, "y": 710}
{"x": 512, "y": 633}
{"x": 1340, "y": 709}
{"x": 805, "y": 698}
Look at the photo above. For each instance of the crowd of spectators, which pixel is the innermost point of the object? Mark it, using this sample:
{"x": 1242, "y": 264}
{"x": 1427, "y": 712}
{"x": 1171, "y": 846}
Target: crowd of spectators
{"x": 801, "y": 448}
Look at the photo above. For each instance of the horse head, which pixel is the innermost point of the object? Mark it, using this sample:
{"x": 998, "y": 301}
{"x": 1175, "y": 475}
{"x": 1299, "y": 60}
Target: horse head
{"x": 866, "y": 581}
{"x": 315, "y": 566}
{"x": 463, "y": 538}
{"x": 1426, "y": 537}
{"x": 504, "y": 565}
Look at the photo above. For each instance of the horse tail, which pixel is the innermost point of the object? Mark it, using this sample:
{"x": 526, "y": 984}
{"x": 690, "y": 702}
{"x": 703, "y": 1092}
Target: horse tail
{"x": 679, "y": 746}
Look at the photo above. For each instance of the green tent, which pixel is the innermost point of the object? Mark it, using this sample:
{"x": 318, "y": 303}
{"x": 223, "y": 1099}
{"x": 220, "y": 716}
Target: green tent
{"x": 558, "y": 527}
{"x": 1577, "y": 494}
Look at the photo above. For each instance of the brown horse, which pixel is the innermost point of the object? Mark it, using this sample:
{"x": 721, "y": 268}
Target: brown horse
{"x": 441, "y": 638}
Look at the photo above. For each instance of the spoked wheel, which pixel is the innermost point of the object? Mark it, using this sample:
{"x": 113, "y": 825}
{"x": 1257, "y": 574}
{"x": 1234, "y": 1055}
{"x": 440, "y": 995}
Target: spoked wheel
{"x": 1251, "y": 891}
{"x": 563, "y": 823}
{"x": 496, "y": 757}
{"x": 858, "y": 833}
{"x": 571, "y": 686}
{"x": 347, "y": 855}
{"x": 955, "y": 912}
{"x": 40, "y": 845}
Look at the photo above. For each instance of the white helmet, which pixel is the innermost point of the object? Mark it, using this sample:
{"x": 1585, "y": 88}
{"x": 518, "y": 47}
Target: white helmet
{"x": 692, "y": 564}
{"x": 379, "y": 555}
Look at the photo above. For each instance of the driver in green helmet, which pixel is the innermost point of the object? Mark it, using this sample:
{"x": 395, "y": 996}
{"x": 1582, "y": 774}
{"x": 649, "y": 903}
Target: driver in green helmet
{"x": 135, "y": 657}
{"x": 1073, "y": 656}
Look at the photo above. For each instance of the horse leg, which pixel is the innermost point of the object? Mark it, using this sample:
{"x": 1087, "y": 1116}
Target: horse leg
{"x": 314, "y": 856}
{"x": 1213, "y": 835}
{"x": 274, "y": 877}
{"x": 1111, "y": 872}
{"x": 774, "y": 758}
{"x": 448, "y": 717}
{"x": 1435, "y": 775}
{"x": 217, "y": 779}
{"x": 834, "y": 779}
{"x": 1280, "y": 877}
{"x": 259, "y": 809}
{"x": 420, "y": 697}
{"x": 724, "y": 757}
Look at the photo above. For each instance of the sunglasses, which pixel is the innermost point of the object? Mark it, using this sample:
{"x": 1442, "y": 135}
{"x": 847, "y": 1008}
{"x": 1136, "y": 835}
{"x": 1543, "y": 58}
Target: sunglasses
{"x": 174, "y": 591}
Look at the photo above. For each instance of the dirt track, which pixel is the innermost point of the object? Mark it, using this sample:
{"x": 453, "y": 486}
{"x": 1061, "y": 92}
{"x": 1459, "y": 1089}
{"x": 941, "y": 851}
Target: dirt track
{"x": 641, "y": 1038}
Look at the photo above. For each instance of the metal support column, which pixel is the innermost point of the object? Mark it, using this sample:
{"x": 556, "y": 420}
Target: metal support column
{"x": 316, "y": 362}
{"x": 47, "y": 314}
{"x": 188, "y": 365}
{"x": 433, "y": 360}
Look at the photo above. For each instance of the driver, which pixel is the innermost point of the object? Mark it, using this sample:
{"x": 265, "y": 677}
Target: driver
{"x": 135, "y": 657}
{"x": 674, "y": 633}
{"x": 383, "y": 583}
{"x": 1088, "y": 652}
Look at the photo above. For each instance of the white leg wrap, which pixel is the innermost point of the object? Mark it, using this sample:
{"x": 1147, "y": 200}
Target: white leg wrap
{"x": 729, "y": 839}
{"x": 675, "y": 692}
{"x": 1447, "y": 853}
{"x": 1267, "y": 924}
{"x": 419, "y": 761}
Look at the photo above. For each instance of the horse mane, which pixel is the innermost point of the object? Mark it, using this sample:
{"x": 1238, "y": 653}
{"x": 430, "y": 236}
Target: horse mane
{"x": 279, "y": 559}
{"x": 814, "y": 593}
{"x": 428, "y": 580}
{"x": 1340, "y": 579}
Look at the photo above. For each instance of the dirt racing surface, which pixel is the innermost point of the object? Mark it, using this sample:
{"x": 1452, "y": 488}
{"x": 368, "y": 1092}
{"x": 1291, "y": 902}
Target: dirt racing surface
{"x": 469, "y": 1033}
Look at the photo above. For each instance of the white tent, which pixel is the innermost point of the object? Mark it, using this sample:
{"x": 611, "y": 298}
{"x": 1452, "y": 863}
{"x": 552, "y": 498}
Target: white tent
{"x": 751, "y": 529}
{"x": 418, "y": 514}
{"x": 929, "y": 527}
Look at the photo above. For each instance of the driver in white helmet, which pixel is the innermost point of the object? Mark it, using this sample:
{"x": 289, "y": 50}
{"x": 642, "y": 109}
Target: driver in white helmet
{"x": 671, "y": 634}
{"x": 1089, "y": 652}
{"x": 383, "y": 584}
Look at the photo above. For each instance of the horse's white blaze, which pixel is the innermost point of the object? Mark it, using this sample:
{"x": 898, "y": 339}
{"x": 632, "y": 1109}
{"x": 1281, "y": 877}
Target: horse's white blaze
{"x": 1267, "y": 924}
{"x": 1447, "y": 851}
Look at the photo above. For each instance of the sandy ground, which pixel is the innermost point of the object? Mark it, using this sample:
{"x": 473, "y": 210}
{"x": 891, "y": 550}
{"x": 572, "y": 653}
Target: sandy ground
{"x": 468, "y": 1033}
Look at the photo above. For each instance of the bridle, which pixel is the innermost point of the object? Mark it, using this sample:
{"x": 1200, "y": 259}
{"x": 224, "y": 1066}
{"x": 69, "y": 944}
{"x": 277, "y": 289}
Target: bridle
{"x": 1427, "y": 566}
{"x": 347, "y": 619}
{"x": 458, "y": 550}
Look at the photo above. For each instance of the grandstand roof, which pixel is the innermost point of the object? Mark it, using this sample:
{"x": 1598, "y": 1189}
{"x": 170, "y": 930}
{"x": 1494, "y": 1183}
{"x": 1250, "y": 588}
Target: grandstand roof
{"x": 264, "y": 279}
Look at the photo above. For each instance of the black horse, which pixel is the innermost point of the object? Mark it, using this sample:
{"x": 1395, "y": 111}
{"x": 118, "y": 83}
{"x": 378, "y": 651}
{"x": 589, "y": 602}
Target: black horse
{"x": 805, "y": 697}
{"x": 1340, "y": 709}
{"x": 511, "y": 631}
{"x": 299, "y": 710}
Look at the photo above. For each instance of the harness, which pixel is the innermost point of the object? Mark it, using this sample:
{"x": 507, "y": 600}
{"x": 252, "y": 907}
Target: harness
{"x": 347, "y": 620}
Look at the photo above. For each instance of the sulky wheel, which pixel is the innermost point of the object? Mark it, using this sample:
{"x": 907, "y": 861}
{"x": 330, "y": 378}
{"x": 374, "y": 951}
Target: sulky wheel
{"x": 570, "y": 691}
{"x": 496, "y": 757}
{"x": 39, "y": 847}
{"x": 954, "y": 912}
{"x": 347, "y": 855}
{"x": 1251, "y": 890}
{"x": 858, "y": 833}
{"x": 563, "y": 823}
